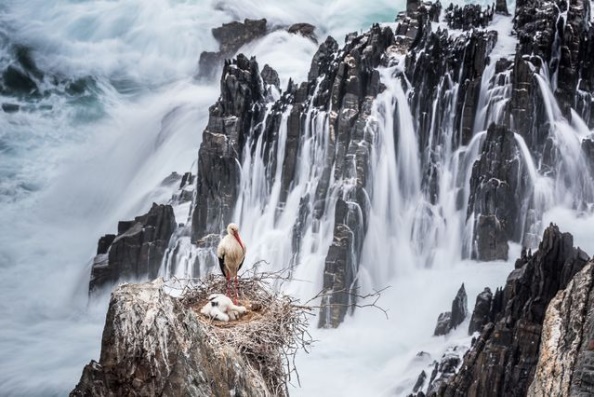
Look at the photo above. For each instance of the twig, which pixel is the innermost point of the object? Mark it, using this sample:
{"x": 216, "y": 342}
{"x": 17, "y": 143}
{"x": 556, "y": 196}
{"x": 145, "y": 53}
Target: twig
{"x": 353, "y": 294}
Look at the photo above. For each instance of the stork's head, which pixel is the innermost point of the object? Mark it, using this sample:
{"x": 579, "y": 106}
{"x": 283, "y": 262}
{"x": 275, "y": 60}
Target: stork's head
{"x": 234, "y": 230}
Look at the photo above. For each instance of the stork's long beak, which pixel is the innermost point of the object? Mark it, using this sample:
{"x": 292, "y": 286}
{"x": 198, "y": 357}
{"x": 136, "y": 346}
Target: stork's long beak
{"x": 237, "y": 236}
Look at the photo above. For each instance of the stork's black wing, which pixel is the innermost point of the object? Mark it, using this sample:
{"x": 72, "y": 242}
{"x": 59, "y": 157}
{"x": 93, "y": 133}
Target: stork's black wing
{"x": 222, "y": 264}
{"x": 241, "y": 264}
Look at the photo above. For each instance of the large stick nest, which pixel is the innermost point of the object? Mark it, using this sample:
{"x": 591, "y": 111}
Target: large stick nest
{"x": 268, "y": 336}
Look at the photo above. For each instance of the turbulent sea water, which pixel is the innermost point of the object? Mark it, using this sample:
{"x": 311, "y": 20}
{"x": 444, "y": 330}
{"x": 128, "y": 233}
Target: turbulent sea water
{"x": 71, "y": 166}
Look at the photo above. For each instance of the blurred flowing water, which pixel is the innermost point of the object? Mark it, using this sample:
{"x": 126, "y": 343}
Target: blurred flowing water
{"x": 71, "y": 166}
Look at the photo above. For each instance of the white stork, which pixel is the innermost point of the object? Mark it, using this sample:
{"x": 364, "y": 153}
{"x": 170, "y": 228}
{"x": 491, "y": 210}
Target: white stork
{"x": 231, "y": 252}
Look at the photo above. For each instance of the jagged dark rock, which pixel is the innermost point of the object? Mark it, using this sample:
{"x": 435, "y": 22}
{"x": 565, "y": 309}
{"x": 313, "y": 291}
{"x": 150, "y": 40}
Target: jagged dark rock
{"x": 501, "y": 7}
{"x": 346, "y": 93}
{"x": 270, "y": 76}
{"x": 452, "y": 319}
{"x": 471, "y": 16}
{"x": 459, "y": 308}
{"x": 588, "y": 149}
{"x": 481, "y": 312}
{"x": 419, "y": 384}
{"x": 104, "y": 243}
{"x": 446, "y": 71}
{"x": 136, "y": 252}
{"x": 567, "y": 341}
{"x": 321, "y": 63}
{"x": 230, "y": 36}
{"x": 209, "y": 63}
{"x": 414, "y": 23}
{"x": 497, "y": 190}
{"x": 545, "y": 40}
{"x": 230, "y": 121}
{"x": 153, "y": 345}
{"x": 572, "y": 63}
{"x": 491, "y": 240}
{"x": 185, "y": 191}
{"x": 445, "y": 370}
{"x": 434, "y": 62}
{"x": 443, "y": 324}
{"x": 504, "y": 358}
{"x": 354, "y": 88}
{"x": 304, "y": 29}
{"x": 187, "y": 179}
{"x": 336, "y": 277}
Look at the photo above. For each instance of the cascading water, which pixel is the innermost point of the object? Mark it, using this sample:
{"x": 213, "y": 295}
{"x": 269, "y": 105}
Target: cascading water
{"x": 141, "y": 120}
{"x": 395, "y": 189}
{"x": 270, "y": 216}
{"x": 573, "y": 185}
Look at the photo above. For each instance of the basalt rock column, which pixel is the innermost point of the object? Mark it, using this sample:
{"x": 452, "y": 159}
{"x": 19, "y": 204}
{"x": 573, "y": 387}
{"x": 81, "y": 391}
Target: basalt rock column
{"x": 137, "y": 251}
{"x": 498, "y": 187}
{"x": 230, "y": 122}
{"x": 354, "y": 87}
{"x": 504, "y": 359}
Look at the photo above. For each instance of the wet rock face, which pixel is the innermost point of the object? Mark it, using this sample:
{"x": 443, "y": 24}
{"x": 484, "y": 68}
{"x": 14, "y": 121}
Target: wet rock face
{"x": 497, "y": 190}
{"x": 230, "y": 36}
{"x": 230, "y": 121}
{"x": 436, "y": 61}
{"x": 345, "y": 95}
{"x": 459, "y": 308}
{"x": 443, "y": 324}
{"x": 235, "y": 34}
{"x": 136, "y": 252}
{"x": 471, "y": 16}
{"x": 336, "y": 278}
{"x": 354, "y": 85}
{"x": 566, "y": 49}
{"x": 463, "y": 60}
{"x": 481, "y": 312}
{"x": 535, "y": 23}
{"x": 304, "y": 29}
{"x": 153, "y": 346}
{"x": 443, "y": 371}
{"x": 567, "y": 341}
{"x": 491, "y": 240}
{"x": 504, "y": 358}
{"x": 448, "y": 321}
{"x": 502, "y": 7}
{"x": 343, "y": 82}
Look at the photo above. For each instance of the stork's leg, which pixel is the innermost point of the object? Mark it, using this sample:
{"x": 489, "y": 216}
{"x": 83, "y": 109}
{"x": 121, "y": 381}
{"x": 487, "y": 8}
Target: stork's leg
{"x": 237, "y": 289}
{"x": 227, "y": 281}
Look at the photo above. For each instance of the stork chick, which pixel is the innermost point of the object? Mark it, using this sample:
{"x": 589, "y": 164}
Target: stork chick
{"x": 220, "y": 307}
{"x": 231, "y": 252}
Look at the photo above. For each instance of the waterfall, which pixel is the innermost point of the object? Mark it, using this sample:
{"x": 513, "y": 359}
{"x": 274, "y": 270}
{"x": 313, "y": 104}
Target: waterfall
{"x": 418, "y": 189}
{"x": 408, "y": 228}
{"x": 573, "y": 185}
{"x": 74, "y": 163}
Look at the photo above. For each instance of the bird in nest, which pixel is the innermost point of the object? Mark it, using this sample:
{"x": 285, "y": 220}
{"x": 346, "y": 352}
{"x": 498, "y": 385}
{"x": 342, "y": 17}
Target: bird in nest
{"x": 231, "y": 252}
